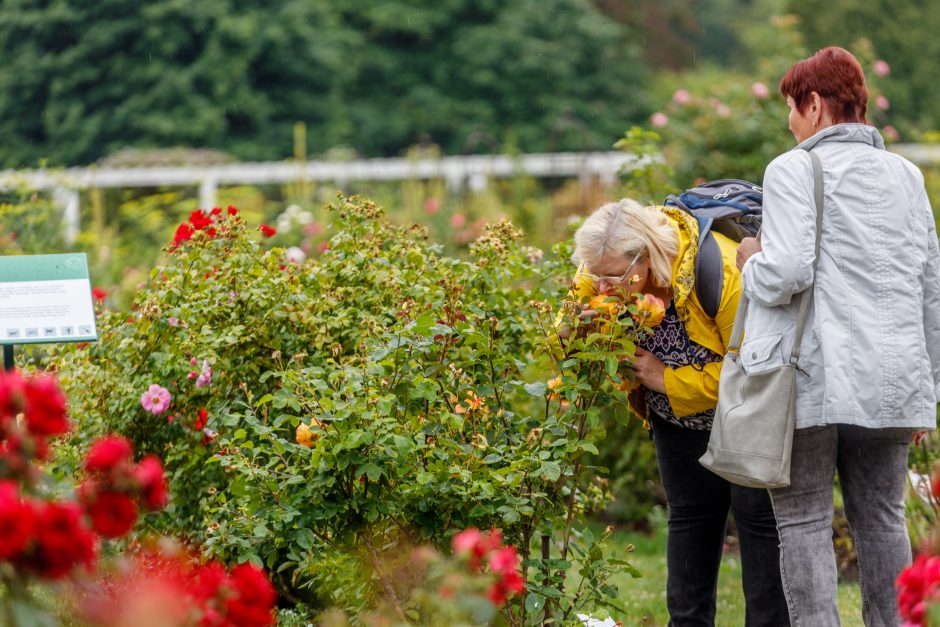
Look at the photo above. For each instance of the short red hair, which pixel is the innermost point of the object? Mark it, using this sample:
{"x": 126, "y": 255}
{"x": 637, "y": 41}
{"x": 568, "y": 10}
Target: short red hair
{"x": 835, "y": 74}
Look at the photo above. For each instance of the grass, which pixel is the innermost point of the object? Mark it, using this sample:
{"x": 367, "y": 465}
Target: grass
{"x": 644, "y": 599}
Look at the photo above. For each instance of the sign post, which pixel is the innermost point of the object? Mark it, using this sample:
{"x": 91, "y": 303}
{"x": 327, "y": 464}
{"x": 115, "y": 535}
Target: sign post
{"x": 45, "y": 299}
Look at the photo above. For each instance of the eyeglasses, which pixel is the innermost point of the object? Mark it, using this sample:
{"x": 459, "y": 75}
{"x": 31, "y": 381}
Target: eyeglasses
{"x": 614, "y": 280}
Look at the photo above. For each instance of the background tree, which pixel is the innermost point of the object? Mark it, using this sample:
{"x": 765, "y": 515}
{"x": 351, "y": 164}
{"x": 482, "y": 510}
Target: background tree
{"x": 903, "y": 33}
{"x": 83, "y": 79}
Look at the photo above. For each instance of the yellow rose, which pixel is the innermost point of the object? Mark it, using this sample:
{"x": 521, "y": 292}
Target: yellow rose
{"x": 306, "y": 436}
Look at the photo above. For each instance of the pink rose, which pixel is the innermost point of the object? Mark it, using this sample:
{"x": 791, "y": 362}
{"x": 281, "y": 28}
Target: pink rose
{"x": 882, "y": 103}
{"x": 682, "y": 97}
{"x": 156, "y": 399}
{"x": 891, "y": 134}
{"x": 205, "y": 376}
{"x": 659, "y": 119}
{"x": 881, "y": 68}
{"x": 760, "y": 90}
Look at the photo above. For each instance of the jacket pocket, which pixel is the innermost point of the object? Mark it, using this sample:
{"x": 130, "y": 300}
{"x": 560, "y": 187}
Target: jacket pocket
{"x": 761, "y": 353}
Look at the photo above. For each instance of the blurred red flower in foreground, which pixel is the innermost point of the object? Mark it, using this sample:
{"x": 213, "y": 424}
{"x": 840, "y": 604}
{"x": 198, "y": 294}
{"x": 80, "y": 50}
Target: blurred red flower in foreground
{"x": 918, "y": 589}
{"x": 181, "y": 591}
{"x": 474, "y": 546}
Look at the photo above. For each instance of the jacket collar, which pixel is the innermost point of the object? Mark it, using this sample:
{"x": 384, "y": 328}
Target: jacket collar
{"x": 862, "y": 133}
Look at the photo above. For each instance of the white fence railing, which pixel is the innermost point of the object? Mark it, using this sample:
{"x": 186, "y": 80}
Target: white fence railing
{"x": 459, "y": 172}
{"x": 471, "y": 172}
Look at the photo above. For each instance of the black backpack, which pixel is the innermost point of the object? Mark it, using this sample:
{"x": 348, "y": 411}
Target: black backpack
{"x": 731, "y": 207}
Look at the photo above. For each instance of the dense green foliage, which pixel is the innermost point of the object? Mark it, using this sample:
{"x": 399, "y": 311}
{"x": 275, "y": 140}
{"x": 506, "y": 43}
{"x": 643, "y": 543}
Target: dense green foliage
{"x": 902, "y": 33}
{"x": 81, "y": 80}
{"x": 327, "y": 415}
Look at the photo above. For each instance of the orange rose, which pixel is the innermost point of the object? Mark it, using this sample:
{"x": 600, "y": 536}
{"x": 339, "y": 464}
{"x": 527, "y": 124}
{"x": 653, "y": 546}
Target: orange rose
{"x": 606, "y": 305}
{"x": 649, "y": 311}
{"x": 306, "y": 436}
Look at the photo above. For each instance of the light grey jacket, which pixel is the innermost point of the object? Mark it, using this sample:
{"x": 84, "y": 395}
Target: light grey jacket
{"x": 871, "y": 350}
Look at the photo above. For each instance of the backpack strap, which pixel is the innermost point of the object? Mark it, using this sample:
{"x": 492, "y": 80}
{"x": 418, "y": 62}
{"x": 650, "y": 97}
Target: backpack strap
{"x": 709, "y": 271}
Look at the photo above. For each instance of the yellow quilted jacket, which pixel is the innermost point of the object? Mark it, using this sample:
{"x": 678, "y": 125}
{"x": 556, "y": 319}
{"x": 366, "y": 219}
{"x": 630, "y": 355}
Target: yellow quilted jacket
{"x": 692, "y": 389}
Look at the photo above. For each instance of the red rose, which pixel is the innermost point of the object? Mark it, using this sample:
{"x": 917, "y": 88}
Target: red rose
{"x": 45, "y": 406}
{"x": 183, "y": 233}
{"x": 201, "y": 421}
{"x": 199, "y": 219}
{"x": 503, "y": 561}
{"x": 154, "y": 492}
{"x": 98, "y": 293}
{"x": 15, "y": 453}
{"x": 505, "y": 587}
{"x": 207, "y": 580}
{"x": 12, "y": 387}
{"x": 40, "y": 448}
{"x": 19, "y": 449}
{"x": 252, "y": 601}
{"x": 466, "y": 541}
{"x": 232, "y": 211}
{"x": 112, "y": 514}
{"x": 16, "y": 521}
{"x": 935, "y": 484}
{"x": 216, "y": 211}
{"x": 475, "y": 545}
{"x": 62, "y": 541}
{"x": 266, "y": 230}
{"x": 108, "y": 453}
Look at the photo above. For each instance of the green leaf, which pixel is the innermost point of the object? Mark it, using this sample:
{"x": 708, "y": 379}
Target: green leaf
{"x": 550, "y": 471}
{"x": 534, "y": 602}
{"x": 370, "y": 470}
{"x": 305, "y": 539}
{"x": 611, "y": 364}
{"x": 588, "y": 447}
{"x": 267, "y": 398}
{"x": 535, "y": 389}
{"x": 387, "y": 404}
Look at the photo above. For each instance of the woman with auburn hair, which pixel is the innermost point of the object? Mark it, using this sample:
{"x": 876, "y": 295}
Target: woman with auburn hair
{"x": 870, "y": 358}
{"x": 622, "y": 248}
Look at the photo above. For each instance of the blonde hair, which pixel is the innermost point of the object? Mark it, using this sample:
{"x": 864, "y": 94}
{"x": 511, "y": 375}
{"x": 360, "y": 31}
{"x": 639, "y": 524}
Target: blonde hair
{"x": 626, "y": 228}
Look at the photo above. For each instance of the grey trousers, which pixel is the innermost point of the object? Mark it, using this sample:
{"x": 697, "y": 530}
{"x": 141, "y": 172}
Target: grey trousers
{"x": 872, "y": 466}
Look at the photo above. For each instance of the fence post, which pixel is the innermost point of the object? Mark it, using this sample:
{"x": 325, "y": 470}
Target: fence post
{"x": 207, "y": 192}
{"x": 70, "y": 198}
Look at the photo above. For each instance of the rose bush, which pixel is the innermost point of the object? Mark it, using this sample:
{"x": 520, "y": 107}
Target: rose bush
{"x": 378, "y": 396}
{"x": 731, "y": 125}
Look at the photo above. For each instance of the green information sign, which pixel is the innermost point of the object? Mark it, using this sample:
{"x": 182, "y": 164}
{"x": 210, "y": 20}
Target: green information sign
{"x": 46, "y": 298}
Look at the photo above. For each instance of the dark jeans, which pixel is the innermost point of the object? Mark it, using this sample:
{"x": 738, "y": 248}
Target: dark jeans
{"x": 699, "y": 502}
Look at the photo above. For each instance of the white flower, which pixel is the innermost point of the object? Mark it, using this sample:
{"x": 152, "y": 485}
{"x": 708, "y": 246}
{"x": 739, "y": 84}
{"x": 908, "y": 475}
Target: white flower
{"x": 295, "y": 255}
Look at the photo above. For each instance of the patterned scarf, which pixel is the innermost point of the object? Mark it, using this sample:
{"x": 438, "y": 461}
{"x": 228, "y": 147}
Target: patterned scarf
{"x": 683, "y": 268}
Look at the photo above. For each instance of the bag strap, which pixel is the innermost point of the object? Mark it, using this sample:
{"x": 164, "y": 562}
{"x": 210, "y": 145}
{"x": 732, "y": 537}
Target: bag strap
{"x": 737, "y": 333}
{"x": 709, "y": 275}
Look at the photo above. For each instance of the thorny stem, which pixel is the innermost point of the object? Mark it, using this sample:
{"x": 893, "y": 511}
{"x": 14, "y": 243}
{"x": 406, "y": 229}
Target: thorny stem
{"x": 577, "y": 470}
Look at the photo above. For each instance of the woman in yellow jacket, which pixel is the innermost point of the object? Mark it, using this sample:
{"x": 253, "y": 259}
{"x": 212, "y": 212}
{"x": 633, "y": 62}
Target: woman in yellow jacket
{"x": 624, "y": 247}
